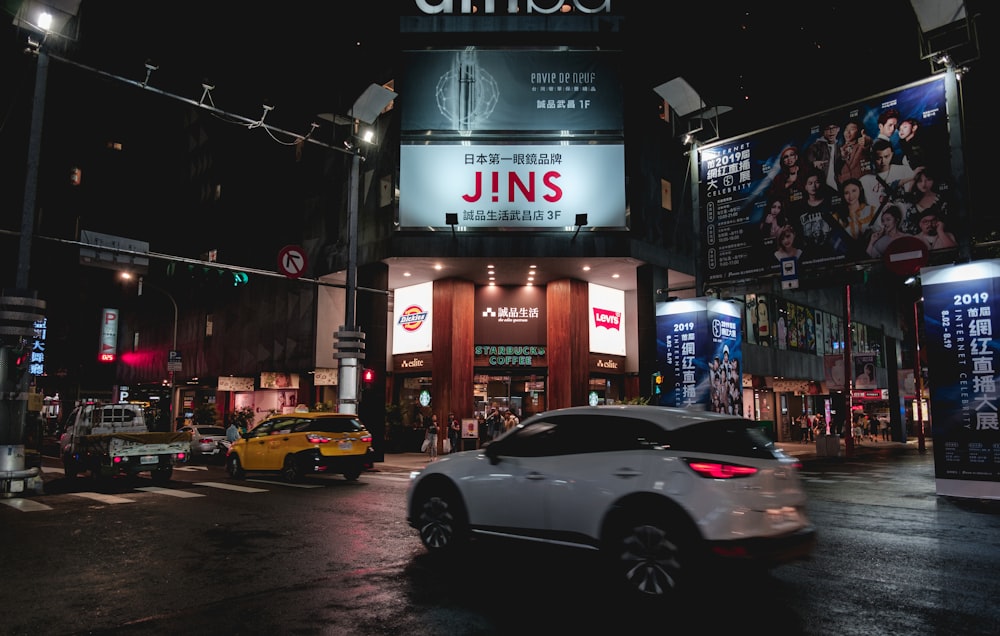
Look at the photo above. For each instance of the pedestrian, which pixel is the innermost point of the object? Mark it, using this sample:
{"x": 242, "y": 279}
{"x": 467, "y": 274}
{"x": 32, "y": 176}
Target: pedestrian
{"x": 883, "y": 428}
{"x": 233, "y": 432}
{"x": 805, "y": 428}
{"x": 431, "y": 438}
{"x": 454, "y": 432}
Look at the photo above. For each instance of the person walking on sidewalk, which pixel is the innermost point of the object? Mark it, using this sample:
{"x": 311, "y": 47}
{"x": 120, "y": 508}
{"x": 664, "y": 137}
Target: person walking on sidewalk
{"x": 454, "y": 432}
{"x": 431, "y": 438}
{"x": 883, "y": 428}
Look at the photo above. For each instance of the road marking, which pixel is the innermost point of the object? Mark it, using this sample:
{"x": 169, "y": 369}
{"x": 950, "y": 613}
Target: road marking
{"x": 25, "y": 505}
{"x": 108, "y": 499}
{"x": 170, "y": 491}
{"x": 284, "y": 483}
{"x": 190, "y": 468}
{"x": 386, "y": 476}
{"x": 225, "y": 486}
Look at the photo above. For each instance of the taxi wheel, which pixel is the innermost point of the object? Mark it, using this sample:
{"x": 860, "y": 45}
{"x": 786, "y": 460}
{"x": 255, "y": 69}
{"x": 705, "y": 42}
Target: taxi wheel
{"x": 290, "y": 471}
{"x": 352, "y": 475}
{"x": 234, "y": 468}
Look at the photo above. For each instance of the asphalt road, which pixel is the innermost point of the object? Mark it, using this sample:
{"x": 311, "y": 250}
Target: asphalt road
{"x": 210, "y": 555}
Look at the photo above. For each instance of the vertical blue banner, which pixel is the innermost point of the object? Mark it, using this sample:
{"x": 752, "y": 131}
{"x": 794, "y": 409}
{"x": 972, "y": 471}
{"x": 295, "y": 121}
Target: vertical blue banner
{"x": 699, "y": 355}
{"x": 959, "y": 304}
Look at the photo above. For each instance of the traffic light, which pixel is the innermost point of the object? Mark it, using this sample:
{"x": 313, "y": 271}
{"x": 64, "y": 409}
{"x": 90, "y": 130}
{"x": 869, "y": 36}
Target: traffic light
{"x": 14, "y": 366}
{"x": 240, "y": 278}
{"x": 368, "y": 377}
{"x": 657, "y": 383}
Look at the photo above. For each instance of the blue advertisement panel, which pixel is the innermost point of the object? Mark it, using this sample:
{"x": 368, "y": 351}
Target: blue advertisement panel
{"x": 961, "y": 348}
{"x": 509, "y": 90}
{"x": 831, "y": 189}
{"x": 699, "y": 355}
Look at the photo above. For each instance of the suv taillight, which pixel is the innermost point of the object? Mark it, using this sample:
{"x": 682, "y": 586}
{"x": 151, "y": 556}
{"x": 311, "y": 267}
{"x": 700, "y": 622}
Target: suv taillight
{"x": 719, "y": 470}
{"x": 313, "y": 438}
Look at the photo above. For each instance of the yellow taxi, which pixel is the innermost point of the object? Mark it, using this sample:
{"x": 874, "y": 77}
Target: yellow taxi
{"x": 299, "y": 444}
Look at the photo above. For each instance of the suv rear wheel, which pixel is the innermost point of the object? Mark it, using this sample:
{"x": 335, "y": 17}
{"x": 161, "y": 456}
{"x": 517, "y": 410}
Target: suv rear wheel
{"x": 653, "y": 556}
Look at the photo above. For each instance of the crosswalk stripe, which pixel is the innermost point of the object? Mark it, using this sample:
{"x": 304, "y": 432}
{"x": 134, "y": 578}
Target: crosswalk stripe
{"x": 108, "y": 499}
{"x": 25, "y": 505}
{"x": 169, "y": 491}
{"x": 190, "y": 468}
{"x": 225, "y": 486}
{"x": 284, "y": 483}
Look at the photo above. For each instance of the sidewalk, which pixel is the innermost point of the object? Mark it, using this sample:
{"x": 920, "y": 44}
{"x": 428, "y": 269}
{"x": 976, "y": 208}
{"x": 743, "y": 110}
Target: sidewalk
{"x": 805, "y": 451}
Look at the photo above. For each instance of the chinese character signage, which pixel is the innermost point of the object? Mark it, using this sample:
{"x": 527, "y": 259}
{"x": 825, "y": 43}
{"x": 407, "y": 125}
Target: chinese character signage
{"x": 699, "y": 354}
{"x": 564, "y": 112}
{"x": 526, "y": 187}
{"x": 830, "y": 189}
{"x": 961, "y": 348}
{"x": 502, "y": 90}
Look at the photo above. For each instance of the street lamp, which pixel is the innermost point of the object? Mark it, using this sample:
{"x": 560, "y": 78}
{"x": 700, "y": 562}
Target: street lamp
{"x": 21, "y": 308}
{"x": 173, "y": 348}
{"x": 350, "y": 339}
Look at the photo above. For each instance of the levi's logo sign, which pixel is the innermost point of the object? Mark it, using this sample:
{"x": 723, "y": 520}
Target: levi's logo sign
{"x": 607, "y": 318}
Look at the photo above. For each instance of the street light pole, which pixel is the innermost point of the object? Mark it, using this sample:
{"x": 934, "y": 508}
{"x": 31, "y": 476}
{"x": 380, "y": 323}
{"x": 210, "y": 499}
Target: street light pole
{"x": 350, "y": 341}
{"x": 31, "y": 177}
{"x": 170, "y": 370}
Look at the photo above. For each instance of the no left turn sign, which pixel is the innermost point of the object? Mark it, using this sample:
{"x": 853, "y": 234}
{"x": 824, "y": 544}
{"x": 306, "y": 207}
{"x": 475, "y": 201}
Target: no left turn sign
{"x": 292, "y": 261}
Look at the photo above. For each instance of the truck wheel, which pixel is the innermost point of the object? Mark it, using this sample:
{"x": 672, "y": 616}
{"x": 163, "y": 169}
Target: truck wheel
{"x": 162, "y": 475}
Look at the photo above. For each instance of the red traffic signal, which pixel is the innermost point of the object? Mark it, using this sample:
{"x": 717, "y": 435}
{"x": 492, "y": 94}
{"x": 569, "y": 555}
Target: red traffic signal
{"x": 368, "y": 376}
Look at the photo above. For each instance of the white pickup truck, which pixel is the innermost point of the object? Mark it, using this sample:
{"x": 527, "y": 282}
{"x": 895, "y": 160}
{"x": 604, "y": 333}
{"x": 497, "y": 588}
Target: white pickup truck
{"x": 112, "y": 439}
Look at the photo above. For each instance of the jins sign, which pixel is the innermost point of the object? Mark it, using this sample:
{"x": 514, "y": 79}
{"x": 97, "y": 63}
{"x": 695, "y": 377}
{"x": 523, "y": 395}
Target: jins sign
{"x": 526, "y": 187}
{"x": 490, "y": 7}
{"x": 514, "y": 185}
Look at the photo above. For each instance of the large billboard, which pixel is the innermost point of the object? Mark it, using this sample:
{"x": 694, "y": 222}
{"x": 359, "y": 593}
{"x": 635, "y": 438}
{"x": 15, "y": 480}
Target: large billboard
{"x": 512, "y": 187}
{"x": 832, "y": 189}
{"x": 699, "y": 354}
{"x": 512, "y": 139}
{"x": 962, "y": 364}
{"x": 512, "y": 90}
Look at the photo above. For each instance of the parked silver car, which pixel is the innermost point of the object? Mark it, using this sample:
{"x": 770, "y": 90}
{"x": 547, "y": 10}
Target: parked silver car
{"x": 661, "y": 492}
{"x": 206, "y": 441}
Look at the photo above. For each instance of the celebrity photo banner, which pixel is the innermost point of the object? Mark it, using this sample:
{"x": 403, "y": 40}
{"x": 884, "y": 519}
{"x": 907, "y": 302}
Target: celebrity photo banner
{"x": 831, "y": 189}
{"x": 960, "y": 302}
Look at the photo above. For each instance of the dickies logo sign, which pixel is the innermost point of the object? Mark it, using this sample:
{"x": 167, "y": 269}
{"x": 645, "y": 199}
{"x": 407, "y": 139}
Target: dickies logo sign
{"x": 607, "y": 318}
{"x": 412, "y": 318}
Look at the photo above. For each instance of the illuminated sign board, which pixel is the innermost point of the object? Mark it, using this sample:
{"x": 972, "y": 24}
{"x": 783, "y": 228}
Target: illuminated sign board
{"x": 108, "y": 347}
{"x": 962, "y": 363}
{"x": 520, "y": 187}
{"x": 699, "y": 354}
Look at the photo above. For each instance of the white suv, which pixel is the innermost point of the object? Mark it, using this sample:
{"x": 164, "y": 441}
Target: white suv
{"x": 662, "y": 491}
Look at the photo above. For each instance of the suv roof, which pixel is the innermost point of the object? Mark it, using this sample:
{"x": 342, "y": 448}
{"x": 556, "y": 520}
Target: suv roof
{"x": 669, "y": 417}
